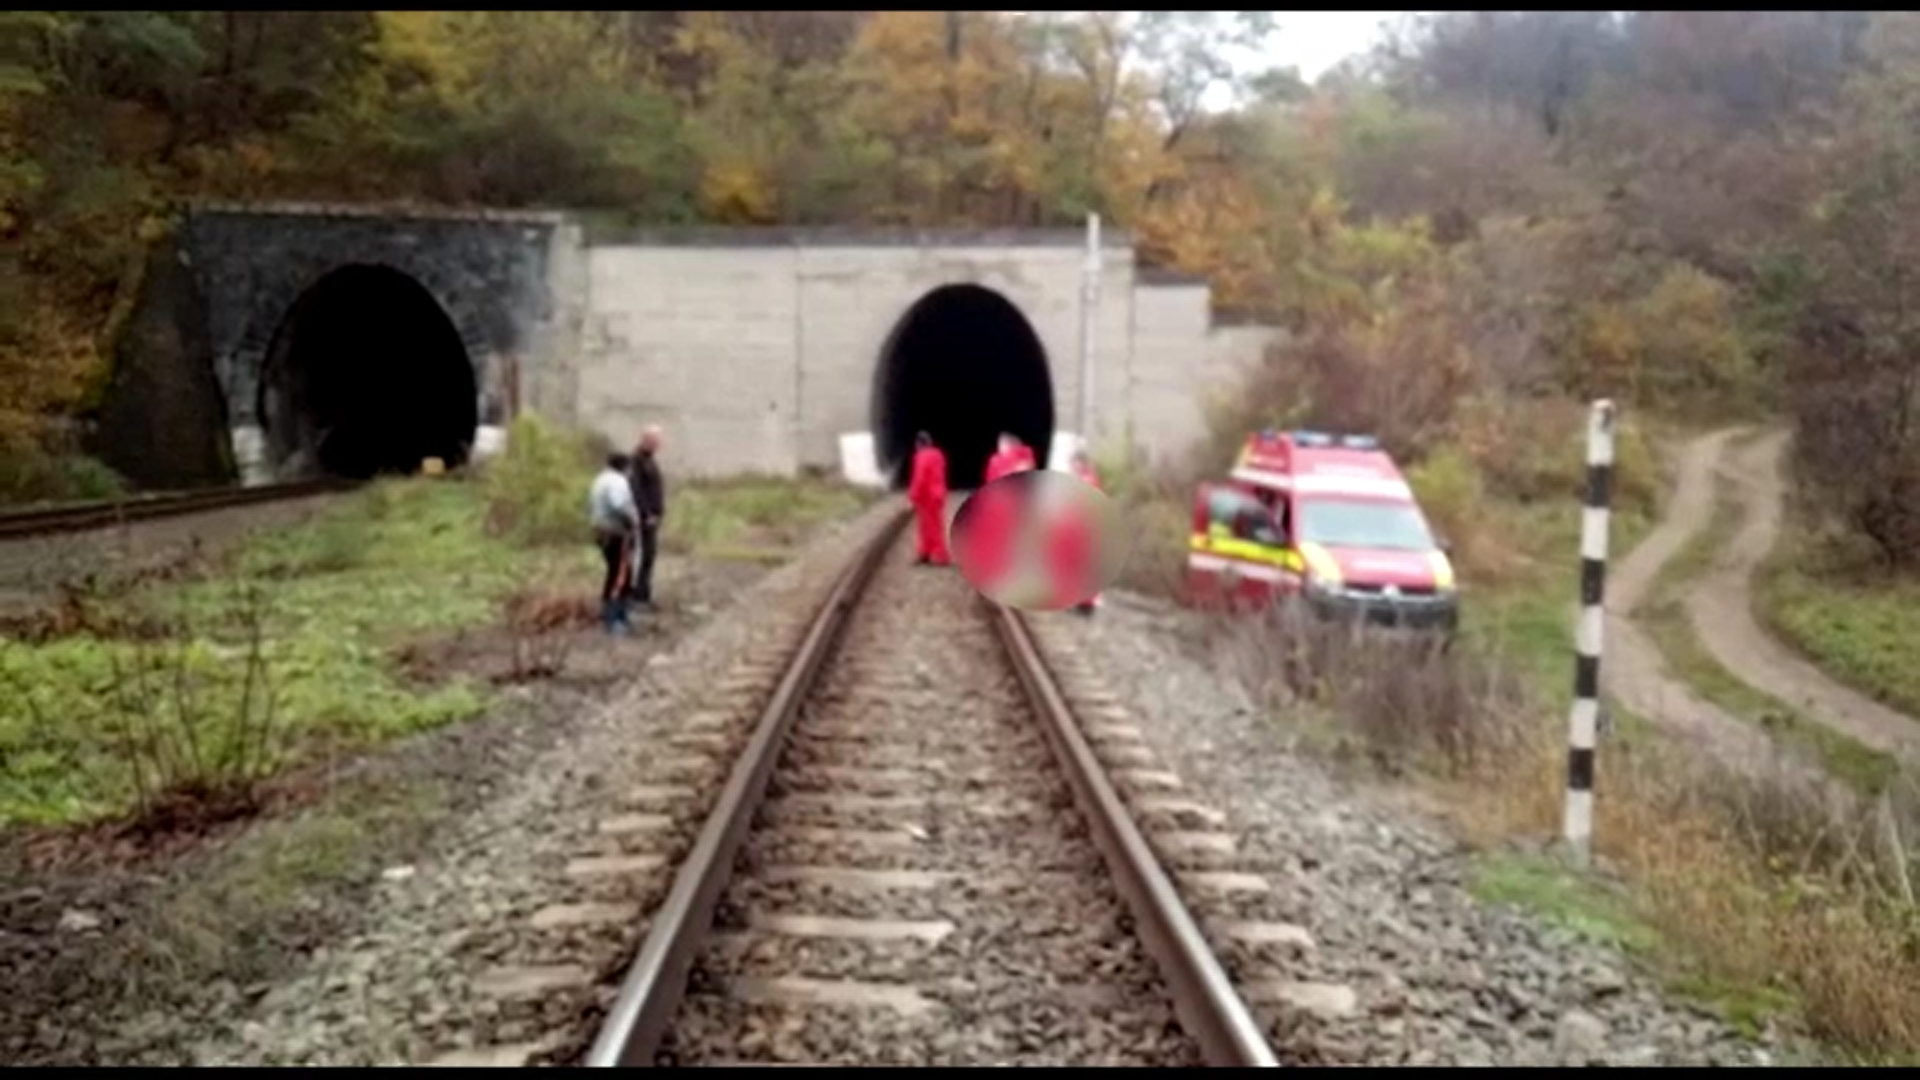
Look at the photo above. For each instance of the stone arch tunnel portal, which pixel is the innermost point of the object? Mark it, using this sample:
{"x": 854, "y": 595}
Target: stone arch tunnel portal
{"x": 366, "y": 376}
{"x": 963, "y": 365}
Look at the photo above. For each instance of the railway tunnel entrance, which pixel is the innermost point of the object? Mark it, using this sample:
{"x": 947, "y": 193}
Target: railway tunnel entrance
{"x": 367, "y": 376}
{"x": 963, "y": 364}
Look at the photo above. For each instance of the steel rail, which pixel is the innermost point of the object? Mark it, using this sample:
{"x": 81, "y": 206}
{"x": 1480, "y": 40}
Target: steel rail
{"x": 56, "y": 520}
{"x": 656, "y": 983}
{"x": 1209, "y": 1008}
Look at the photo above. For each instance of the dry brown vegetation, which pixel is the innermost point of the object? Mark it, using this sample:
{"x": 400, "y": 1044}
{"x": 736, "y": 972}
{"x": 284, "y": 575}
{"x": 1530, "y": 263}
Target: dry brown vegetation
{"x": 1783, "y": 894}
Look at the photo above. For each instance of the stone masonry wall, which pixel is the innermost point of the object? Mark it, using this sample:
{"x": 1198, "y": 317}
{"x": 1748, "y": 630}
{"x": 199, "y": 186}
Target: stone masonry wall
{"x": 489, "y": 273}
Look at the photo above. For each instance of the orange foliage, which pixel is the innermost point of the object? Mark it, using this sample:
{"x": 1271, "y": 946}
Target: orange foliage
{"x": 48, "y": 366}
{"x": 1215, "y": 226}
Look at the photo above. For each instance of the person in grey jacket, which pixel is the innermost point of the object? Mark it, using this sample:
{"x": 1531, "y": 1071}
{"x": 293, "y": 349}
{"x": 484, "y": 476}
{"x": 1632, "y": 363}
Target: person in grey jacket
{"x": 615, "y": 519}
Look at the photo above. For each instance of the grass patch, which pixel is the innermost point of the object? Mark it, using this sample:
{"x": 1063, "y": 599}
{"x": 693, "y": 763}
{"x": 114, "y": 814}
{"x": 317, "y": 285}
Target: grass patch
{"x": 1861, "y": 626}
{"x": 1600, "y": 912}
{"x": 280, "y": 655}
{"x": 285, "y": 652}
{"x": 1524, "y": 616}
{"x": 753, "y": 519}
{"x": 1578, "y": 904}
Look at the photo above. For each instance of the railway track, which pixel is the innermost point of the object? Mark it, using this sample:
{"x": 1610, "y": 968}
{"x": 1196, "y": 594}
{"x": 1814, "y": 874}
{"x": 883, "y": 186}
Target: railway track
{"x": 82, "y": 517}
{"x": 918, "y": 858}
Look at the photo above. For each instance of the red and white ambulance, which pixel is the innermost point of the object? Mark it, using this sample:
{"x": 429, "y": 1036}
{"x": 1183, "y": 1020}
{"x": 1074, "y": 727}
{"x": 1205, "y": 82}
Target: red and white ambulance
{"x": 1325, "y": 518}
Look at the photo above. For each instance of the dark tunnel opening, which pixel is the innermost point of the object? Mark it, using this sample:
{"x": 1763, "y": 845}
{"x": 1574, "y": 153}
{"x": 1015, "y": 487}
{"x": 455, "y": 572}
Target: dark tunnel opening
{"x": 367, "y": 376}
{"x": 963, "y": 365}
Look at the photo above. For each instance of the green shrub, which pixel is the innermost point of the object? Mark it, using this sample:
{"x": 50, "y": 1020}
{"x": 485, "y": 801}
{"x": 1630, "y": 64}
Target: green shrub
{"x": 38, "y": 476}
{"x": 536, "y": 489}
{"x": 1450, "y": 491}
{"x": 1536, "y": 451}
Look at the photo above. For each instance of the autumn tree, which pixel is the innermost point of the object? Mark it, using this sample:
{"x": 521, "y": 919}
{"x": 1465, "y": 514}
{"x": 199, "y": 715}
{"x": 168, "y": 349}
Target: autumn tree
{"x": 1856, "y": 379}
{"x": 1528, "y": 68}
{"x": 1569, "y": 202}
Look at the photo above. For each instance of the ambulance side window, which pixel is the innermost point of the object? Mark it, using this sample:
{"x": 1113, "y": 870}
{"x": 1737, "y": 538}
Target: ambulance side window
{"x": 1223, "y": 512}
{"x": 1267, "y": 516}
{"x": 1241, "y": 517}
{"x": 1256, "y": 524}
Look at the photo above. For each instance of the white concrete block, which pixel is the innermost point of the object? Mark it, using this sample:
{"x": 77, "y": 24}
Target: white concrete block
{"x": 250, "y": 456}
{"x": 1060, "y": 451}
{"x": 859, "y": 465}
{"x": 489, "y": 440}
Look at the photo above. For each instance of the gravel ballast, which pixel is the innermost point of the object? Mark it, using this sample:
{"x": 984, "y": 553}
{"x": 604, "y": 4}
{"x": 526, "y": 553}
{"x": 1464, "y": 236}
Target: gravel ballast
{"x": 1368, "y": 947}
{"x": 919, "y": 754}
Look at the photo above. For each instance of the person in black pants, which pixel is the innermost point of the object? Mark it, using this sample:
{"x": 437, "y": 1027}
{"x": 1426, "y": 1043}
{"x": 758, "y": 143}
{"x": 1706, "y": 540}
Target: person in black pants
{"x": 610, "y": 509}
{"x": 650, "y": 498}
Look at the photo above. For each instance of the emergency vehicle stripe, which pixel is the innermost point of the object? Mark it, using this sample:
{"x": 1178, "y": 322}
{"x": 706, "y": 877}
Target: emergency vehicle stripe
{"x": 1583, "y": 725}
{"x": 1321, "y": 562}
{"x": 1214, "y": 564}
{"x": 1241, "y": 550}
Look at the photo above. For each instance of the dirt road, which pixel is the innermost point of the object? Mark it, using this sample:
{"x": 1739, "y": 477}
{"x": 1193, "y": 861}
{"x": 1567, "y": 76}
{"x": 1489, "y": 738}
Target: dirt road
{"x": 1720, "y": 606}
{"x": 1633, "y": 670}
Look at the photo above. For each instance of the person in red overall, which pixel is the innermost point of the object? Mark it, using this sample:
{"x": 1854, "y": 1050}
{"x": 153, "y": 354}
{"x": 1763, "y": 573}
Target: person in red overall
{"x": 1069, "y": 553}
{"x": 1081, "y": 530}
{"x": 1013, "y": 456}
{"x": 994, "y": 515}
{"x": 927, "y": 491}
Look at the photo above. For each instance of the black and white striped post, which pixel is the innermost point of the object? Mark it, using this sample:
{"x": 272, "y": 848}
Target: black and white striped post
{"x": 1584, "y": 722}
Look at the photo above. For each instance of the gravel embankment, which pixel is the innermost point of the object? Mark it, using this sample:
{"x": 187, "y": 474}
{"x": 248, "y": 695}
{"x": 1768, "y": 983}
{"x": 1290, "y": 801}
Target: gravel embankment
{"x": 32, "y": 568}
{"x": 1003, "y": 943}
{"x": 495, "y": 946}
{"x": 1364, "y": 946}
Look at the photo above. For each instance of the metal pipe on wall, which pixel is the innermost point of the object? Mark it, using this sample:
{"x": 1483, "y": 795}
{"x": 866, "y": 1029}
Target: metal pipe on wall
{"x": 1089, "y": 312}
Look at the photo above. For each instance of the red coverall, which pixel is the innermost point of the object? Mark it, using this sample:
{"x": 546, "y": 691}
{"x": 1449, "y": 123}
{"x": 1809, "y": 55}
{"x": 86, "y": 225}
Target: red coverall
{"x": 928, "y": 493}
{"x": 991, "y": 524}
{"x": 1069, "y": 558}
{"x": 1074, "y": 551}
{"x": 1006, "y": 462}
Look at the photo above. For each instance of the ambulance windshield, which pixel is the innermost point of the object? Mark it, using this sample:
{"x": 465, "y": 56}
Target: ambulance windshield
{"x": 1353, "y": 523}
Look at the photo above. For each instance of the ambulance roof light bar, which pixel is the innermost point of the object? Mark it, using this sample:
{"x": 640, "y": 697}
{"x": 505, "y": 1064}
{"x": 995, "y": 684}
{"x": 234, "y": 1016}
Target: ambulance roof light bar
{"x": 1323, "y": 439}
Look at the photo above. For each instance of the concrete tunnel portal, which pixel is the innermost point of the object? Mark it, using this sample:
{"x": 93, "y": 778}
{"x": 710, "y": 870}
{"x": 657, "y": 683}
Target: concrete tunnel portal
{"x": 964, "y": 365}
{"x": 367, "y": 376}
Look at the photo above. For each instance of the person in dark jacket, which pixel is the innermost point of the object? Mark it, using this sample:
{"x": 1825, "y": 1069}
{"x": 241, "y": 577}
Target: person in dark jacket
{"x": 650, "y": 497}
